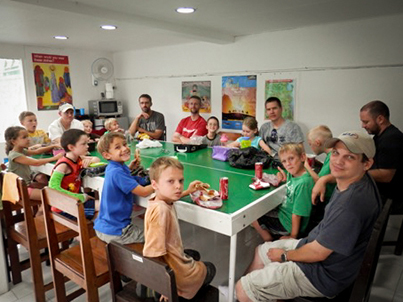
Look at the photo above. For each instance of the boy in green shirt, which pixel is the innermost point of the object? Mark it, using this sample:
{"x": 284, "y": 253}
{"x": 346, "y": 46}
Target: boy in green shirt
{"x": 292, "y": 216}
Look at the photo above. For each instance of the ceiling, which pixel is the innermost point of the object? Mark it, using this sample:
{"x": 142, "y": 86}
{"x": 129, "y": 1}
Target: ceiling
{"x": 145, "y": 24}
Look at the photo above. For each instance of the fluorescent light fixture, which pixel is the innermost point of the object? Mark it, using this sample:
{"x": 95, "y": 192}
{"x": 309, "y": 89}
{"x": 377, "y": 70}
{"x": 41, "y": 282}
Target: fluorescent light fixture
{"x": 61, "y": 37}
{"x": 185, "y": 10}
{"x": 109, "y": 27}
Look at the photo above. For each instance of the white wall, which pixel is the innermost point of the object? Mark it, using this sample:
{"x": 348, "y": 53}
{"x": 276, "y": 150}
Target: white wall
{"x": 80, "y": 62}
{"x": 338, "y": 68}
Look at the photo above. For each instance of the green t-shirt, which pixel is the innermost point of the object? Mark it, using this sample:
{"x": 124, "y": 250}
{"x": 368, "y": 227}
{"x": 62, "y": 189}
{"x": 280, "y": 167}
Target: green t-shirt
{"x": 325, "y": 171}
{"x": 297, "y": 201}
{"x": 23, "y": 171}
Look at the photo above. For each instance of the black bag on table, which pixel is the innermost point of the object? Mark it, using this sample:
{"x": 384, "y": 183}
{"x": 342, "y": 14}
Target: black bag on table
{"x": 247, "y": 157}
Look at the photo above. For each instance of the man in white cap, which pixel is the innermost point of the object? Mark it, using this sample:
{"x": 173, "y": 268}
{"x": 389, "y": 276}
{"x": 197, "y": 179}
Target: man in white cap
{"x": 64, "y": 123}
{"x": 328, "y": 260}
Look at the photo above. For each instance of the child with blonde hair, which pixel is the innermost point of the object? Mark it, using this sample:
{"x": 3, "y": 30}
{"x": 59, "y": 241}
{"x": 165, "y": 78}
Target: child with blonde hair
{"x": 292, "y": 216}
{"x": 161, "y": 228}
{"x": 112, "y": 125}
{"x": 250, "y": 133}
{"x": 317, "y": 138}
{"x": 88, "y": 129}
{"x": 17, "y": 143}
{"x": 37, "y": 138}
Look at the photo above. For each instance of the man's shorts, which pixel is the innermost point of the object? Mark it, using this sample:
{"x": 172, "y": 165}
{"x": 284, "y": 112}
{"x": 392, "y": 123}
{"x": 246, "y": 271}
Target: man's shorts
{"x": 277, "y": 280}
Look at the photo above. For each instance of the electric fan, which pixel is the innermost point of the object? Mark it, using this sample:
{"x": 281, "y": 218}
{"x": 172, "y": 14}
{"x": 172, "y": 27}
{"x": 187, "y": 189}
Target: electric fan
{"x": 102, "y": 70}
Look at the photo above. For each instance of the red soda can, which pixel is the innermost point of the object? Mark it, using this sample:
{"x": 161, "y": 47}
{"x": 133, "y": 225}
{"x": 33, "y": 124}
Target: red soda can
{"x": 259, "y": 170}
{"x": 224, "y": 188}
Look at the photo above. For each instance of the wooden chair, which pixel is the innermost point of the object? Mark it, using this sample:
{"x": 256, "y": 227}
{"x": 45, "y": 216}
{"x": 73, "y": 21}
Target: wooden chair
{"x": 30, "y": 233}
{"x": 360, "y": 290}
{"x": 84, "y": 264}
{"x": 129, "y": 261}
{"x": 397, "y": 209}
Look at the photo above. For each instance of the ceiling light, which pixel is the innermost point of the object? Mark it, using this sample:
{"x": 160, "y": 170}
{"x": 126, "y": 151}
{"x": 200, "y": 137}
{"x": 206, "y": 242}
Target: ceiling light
{"x": 109, "y": 27}
{"x": 185, "y": 10}
{"x": 61, "y": 37}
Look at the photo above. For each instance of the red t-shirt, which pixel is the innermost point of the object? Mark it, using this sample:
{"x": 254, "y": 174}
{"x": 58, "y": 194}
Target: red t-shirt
{"x": 188, "y": 128}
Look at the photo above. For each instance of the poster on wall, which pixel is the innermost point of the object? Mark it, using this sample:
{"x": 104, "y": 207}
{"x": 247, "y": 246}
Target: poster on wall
{"x": 285, "y": 91}
{"x": 202, "y": 89}
{"x": 238, "y": 100}
{"x": 52, "y": 80}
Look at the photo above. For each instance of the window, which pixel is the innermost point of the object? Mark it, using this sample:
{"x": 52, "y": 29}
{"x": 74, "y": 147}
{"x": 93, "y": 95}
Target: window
{"x": 12, "y": 93}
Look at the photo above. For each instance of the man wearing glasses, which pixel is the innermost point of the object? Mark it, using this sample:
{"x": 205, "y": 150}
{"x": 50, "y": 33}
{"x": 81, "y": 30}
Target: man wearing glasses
{"x": 279, "y": 131}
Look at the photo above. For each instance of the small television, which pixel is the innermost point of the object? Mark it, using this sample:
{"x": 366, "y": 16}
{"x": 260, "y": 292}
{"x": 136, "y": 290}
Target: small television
{"x": 108, "y": 107}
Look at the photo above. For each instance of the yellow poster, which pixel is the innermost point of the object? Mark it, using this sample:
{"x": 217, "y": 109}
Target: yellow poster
{"x": 52, "y": 80}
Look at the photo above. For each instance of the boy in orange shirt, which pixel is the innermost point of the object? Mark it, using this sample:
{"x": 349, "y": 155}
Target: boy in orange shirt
{"x": 161, "y": 228}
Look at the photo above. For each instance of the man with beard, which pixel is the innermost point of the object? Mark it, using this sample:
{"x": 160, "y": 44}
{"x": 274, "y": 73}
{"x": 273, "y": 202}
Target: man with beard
{"x": 64, "y": 123}
{"x": 148, "y": 121}
{"x": 279, "y": 131}
{"x": 191, "y": 126}
{"x": 388, "y": 162}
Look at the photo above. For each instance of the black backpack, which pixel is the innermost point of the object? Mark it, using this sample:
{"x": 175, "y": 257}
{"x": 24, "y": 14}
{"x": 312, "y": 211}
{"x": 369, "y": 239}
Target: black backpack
{"x": 247, "y": 157}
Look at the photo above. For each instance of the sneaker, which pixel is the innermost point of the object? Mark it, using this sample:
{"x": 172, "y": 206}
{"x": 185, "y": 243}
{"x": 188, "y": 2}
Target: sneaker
{"x": 193, "y": 253}
{"x": 125, "y": 279}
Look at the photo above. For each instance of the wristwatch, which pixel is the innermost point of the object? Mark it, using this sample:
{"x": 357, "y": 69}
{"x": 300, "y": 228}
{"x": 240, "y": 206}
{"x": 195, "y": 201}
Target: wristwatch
{"x": 284, "y": 257}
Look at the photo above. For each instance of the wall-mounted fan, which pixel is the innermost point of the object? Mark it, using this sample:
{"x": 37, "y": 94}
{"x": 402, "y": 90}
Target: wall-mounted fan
{"x": 102, "y": 70}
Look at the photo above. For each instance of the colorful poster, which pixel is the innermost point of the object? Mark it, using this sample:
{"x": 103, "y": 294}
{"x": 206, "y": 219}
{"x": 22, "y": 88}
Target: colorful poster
{"x": 202, "y": 89}
{"x": 238, "y": 100}
{"x": 285, "y": 91}
{"x": 52, "y": 80}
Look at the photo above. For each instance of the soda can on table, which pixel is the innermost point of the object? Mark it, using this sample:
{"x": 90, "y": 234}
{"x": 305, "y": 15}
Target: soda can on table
{"x": 259, "y": 170}
{"x": 224, "y": 188}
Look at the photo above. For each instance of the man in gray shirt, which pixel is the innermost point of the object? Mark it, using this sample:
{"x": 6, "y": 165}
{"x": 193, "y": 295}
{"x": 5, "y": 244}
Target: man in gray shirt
{"x": 328, "y": 260}
{"x": 278, "y": 131}
{"x": 148, "y": 121}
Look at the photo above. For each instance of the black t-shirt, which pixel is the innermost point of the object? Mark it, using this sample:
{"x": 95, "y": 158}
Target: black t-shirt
{"x": 346, "y": 229}
{"x": 389, "y": 155}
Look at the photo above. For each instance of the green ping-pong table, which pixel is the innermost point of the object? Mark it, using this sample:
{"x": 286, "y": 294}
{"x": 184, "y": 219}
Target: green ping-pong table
{"x": 243, "y": 206}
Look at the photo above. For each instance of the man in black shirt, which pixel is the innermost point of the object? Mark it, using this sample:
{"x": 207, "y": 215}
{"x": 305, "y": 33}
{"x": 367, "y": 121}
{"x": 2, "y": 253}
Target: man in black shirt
{"x": 387, "y": 169}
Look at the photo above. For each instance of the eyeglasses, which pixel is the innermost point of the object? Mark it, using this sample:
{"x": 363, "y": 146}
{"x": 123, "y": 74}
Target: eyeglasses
{"x": 273, "y": 136}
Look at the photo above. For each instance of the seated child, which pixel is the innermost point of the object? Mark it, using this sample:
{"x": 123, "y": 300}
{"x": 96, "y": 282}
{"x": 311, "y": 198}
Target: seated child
{"x": 161, "y": 228}
{"x": 17, "y": 143}
{"x": 292, "y": 216}
{"x": 88, "y": 129}
{"x": 250, "y": 134}
{"x": 112, "y": 125}
{"x": 212, "y": 138}
{"x": 66, "y": 173}
{"x": 114, "y": 220}
{"x": 317, "y": 137}
{"x": 37, "y": 138}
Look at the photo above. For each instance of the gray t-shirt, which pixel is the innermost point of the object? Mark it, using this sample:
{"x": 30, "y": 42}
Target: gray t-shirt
{"x": 289, "y": 132}
{"x": 155, "y": 122}
{"x": 212, "y": 142}
{"x": 346, "y": 229}
{"x": 23, "y": 171}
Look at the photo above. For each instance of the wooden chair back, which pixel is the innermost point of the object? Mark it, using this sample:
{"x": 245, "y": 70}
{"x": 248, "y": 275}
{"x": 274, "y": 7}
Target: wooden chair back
{"x": 360, "y": 290}
{"x": 86, "y": 263}
{"x": 30, "y": 233}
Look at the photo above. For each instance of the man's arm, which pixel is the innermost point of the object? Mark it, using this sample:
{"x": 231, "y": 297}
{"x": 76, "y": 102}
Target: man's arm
{"x": 134, "y": 125}
{"x": 179, "y": 138}
{"x": 309, "y": 253}
{"x": 320, "y": 187}
{"x": 382, "y": 175}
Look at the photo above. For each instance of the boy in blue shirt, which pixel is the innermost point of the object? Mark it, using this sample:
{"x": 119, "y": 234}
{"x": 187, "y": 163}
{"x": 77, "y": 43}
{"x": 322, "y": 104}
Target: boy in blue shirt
{"x": 114, "y": 220}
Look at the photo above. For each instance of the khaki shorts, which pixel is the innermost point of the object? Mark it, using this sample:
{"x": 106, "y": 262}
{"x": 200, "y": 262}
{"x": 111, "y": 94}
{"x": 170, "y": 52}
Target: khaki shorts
{"x": 277, "y": 280}
{"x": 130, "y": 234}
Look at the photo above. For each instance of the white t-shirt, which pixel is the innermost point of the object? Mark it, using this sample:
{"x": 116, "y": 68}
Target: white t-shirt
{"x": 56, "y": 128}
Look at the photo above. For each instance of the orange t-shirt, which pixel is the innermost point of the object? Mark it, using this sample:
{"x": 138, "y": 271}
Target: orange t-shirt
{"x": 163, "y": 239}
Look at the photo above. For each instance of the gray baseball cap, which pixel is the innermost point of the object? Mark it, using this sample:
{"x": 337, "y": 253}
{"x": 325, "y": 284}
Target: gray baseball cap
{"x": 357, "y": 142}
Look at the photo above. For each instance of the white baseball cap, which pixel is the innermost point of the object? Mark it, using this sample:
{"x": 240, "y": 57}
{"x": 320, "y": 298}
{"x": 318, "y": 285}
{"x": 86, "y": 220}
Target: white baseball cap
{"x": 64, "y": 107}
{"x": 357, "y": 142}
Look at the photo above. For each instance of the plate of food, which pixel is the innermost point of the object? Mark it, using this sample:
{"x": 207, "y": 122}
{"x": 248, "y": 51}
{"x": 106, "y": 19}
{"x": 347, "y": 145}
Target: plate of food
{"x": 206, "y": 197}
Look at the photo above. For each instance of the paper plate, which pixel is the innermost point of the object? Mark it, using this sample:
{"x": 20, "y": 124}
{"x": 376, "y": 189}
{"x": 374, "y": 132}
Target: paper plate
{"x": 211, "y": 203}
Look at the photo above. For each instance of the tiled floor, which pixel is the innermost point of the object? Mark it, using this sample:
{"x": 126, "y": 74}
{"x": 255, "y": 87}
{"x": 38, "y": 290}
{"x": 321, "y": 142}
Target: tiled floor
{"x": 388, "y": 283}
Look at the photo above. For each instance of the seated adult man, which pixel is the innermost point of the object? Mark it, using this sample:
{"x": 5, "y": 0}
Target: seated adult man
{"x": 328, "y": 260}
{"x": 65, "y": 122}
{"x": 149, "y": 122}
{"x": 278, "y": 130}
{"x": 193, "y": 125}
{"x": 387, "y": 169}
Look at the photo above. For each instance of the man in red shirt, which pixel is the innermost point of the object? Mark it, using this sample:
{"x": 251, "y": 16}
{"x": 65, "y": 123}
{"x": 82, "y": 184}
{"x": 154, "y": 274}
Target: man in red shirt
{"x": 191, "y": 126}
